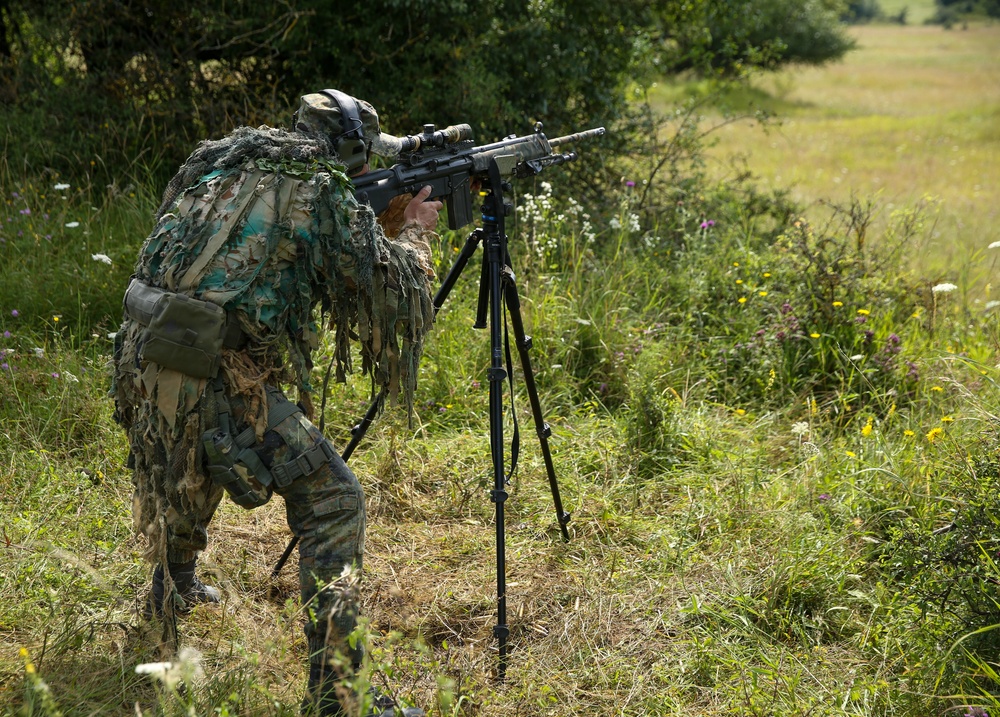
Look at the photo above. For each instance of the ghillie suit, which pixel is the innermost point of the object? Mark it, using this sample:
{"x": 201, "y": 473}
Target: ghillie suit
{"x": 264, "y": 225}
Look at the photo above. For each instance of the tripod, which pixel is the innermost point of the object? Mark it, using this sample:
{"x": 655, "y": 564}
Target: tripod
{"x": 497, "y": 290}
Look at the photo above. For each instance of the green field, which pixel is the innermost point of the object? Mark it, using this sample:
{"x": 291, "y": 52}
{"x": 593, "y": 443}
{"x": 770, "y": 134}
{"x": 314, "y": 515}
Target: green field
{"x": 912, "y": 114}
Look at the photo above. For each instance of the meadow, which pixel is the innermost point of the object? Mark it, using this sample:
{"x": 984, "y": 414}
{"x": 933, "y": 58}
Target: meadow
{"x": 774, "y": 424}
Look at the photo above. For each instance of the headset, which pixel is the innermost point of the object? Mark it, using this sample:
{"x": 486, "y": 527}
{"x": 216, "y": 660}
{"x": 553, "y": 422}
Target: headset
{"x": 351, "y": 146}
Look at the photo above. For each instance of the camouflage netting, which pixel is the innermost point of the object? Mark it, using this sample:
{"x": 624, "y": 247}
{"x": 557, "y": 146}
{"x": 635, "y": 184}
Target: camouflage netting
{"x": 263, "y": 224}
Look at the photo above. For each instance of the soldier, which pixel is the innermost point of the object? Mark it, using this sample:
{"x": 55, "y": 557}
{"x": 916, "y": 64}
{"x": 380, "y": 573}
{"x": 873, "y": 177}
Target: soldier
{"x": 259, "y": 245}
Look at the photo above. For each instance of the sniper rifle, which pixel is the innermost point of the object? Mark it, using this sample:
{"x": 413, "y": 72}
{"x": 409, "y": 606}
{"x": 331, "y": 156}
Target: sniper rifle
{"x": 450, "y": 163}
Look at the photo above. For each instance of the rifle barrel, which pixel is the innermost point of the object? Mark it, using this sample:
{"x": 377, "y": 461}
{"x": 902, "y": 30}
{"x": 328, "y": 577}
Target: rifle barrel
{"x": 586, "y": 134}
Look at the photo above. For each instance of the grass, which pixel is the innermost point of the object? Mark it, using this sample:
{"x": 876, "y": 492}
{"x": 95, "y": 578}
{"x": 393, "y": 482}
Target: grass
{"x": 911, "y": 114}
{"x": 778, "y": 445}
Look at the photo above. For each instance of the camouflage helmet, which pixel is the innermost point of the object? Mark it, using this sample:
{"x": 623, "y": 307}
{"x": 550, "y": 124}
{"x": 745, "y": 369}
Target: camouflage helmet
{"x": 351, "y": 124}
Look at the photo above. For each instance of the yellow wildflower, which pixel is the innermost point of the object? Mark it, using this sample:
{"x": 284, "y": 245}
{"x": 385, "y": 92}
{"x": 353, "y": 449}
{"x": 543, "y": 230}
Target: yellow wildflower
{"x": 864, "y": 312}
{"x": 740, "y": 411}
{"x": 837, "y": 304}
{"x": 933, "y": 434}
{"x": 814, "y": 336}
{"x": 762, "y": 293}
{"x": 946, "y": 419}
{"x": 767, "y": 275}
{"x": 867, "y": 429}
{"x": 742, "y": 300}
{"x": 936, "y": 388}
{"x": 908, "y": 432}
{"x": 851, "y": 454}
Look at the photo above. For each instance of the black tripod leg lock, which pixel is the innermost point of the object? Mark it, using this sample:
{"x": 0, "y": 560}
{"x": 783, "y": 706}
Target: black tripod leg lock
{"x": 498, "y": 496}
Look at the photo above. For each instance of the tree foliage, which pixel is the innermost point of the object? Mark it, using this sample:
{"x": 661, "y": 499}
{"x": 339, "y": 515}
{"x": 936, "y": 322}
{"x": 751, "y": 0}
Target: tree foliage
{"x": 106, "y": 81}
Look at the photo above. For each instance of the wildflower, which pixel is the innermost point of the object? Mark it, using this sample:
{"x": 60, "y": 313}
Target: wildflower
{"x": 72, "y": 225}
{"x": 61, "y": 186}
{"x": 908, "y": 432}
{"x": 55, "y": 319}
{"x": 186, "y": 668}
{"x": 6, "y": 334}
{"x": 767, "y": 275}
{"x": 799, "y": 428}
{"x": 762, "y": 293}
{"x": 863, "y": 312}
{"x": 837, "y": 304}
{"x": 101, "y": 257}
{"x": 857, "y": 357}
{"x": 740, "y": 412}
{"x": 55, "y": 374}
{"x": 814, "y": 335}
{"x": 630, "y": 183}
{"x": 823, "y": 497}
{"x": 994, "y": 245}
{"x": 851, "y": 454}
{"x": 947, "y": 419}
{"x": 39, "y": 352}
{"x": 739, "y": 281}
{"x": 943, "y": 288}
{"x": 26, "y": 211}
{"x": 5, "y": 366}
{"x": 736, "y": 263}
{"x": 867, "y": 429}
{"x": 937, "y": 388}
{"x": 933, "y": 434}
{"x": 742, "y": 300}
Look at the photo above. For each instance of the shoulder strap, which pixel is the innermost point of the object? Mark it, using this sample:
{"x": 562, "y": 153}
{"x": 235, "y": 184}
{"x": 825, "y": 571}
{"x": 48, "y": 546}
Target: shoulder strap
{"x": 194, "y": 272}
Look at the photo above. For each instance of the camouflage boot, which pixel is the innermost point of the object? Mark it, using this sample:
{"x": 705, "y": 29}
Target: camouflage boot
{"x": 189, "y": 589}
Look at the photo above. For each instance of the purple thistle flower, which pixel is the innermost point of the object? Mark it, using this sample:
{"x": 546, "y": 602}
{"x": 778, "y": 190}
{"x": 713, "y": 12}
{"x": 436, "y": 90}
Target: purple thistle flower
{"x": 630, "y": 183}
{"x": 823, "y": 497}
{"x": 704, "y": 225}
{"x": 55, "y": 375}
{"x": 711, "y": 222}
{"x": 25, "y": 211}
{"x": 5, "y": 366}
{"x": 6, "y": 335}
{"x": 15, "y": 312}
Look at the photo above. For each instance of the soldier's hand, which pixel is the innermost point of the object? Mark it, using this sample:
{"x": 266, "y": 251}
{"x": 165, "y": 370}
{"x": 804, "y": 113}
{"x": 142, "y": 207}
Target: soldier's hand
{"x": 421, "y": 211}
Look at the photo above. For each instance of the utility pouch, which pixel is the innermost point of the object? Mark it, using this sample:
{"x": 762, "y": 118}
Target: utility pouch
{"x": 237, "y": 468}
{"x": 182, "y": 333}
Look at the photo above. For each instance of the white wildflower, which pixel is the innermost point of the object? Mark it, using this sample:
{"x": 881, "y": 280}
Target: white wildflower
{"x": 112, "y": 335}
{"x": 70, "y": 377}
{"x": 61, "y": 186}
{"x": 187, "y": 668}
{"x": 39, "y": 352}
{"x": 994, "y": 245}
{"x": 799, "y": 428}
{"x": 943, "y": 288}
{"x": 992, "y": 305}
{"x": 857, "y": 357}
{"x": 101, "y": 257}
{"x": 72, "y": 225}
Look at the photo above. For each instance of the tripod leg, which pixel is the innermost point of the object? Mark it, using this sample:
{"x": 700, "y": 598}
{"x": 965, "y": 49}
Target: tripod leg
{"x": 492, "y": 261}
{"x": 541, "y": 427}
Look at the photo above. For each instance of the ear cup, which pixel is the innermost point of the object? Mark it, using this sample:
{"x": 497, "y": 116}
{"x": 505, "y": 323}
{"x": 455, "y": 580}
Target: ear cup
{"x": 351, "y": 146}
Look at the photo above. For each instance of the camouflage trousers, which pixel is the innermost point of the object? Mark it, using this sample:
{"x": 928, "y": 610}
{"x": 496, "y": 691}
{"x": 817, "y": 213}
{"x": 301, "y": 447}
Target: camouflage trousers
{"x": 325, "y": 510}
